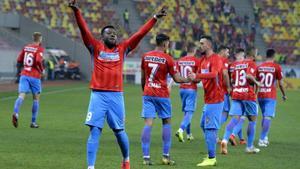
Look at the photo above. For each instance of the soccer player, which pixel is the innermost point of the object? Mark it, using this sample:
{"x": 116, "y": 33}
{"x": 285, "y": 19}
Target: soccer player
{"x": 238, "y": 129}
{"x": 269, "y": 74}
{"x": 243, "y": 99}
{"x": 31, "y": 57}
{"x": 106, "y": 100}
{"x": 211, "y": 74}
{"x": 188, "y": 91}
{"x": 155, "y": 67}
{"x": 224, "y": 53}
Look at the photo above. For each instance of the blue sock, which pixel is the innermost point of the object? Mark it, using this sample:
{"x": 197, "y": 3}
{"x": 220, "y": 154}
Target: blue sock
{"x": 251, "y": 133}
{"x": 35, "y": 110}
{"x": 92, "y": 145}
{"x": 186, "y": 120}
{"x": 146, "y": 139}
{"x": 229, "y": 128}
{"x": 188, "y": 129}
{"x": 240, "y": 134}
{"x": 18, "y": 104}
{"x": 211, "y": 141}
{"x": 238, "y": 127}
{"x": 166, "y": 137}
{"x": 224, "y": 118}
{"x": 123, "y": 143}
{"x": 266, "y": 123}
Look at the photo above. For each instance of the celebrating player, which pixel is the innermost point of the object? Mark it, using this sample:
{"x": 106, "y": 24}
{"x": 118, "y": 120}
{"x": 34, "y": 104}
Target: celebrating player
{"x": 31, "y": 57}
{"x": 211, "y": 68}
{"x": 243, "y": 99}
{"x": 156, "y": 65}
{"x": 107, "y": 82}
{"x": 188, "y": 91}
{"x": 268, "y": 73}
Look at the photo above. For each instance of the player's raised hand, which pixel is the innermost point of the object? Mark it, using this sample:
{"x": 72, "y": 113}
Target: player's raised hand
{"x": 73, "y": 4}
{"x": 161, "y": 13}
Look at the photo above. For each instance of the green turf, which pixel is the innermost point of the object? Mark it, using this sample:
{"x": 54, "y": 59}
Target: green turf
{"x": 60, "y": 142}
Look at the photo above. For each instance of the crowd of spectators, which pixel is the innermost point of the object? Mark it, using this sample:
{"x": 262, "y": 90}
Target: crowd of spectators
{"x": 280, "y": 25}
{"x": 189, "y": 19}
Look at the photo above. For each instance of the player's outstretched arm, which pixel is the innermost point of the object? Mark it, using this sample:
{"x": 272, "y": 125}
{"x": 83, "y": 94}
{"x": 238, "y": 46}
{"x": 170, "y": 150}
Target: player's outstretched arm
{"x": 134, "y": 40}
{"x": 179, "y": 79}
{"x": 86, "y": 34}
{"x": 253, "y": 79}
{"x": 227, "y": 80}
{"x": 284, "y": 97}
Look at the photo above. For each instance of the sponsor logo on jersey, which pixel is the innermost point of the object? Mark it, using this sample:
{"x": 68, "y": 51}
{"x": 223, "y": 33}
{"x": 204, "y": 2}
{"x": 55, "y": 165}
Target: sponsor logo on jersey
{"x": 109, "y": 56}
{"x": 186, "y": 63}
{"x": 204, "y": 71}
{"x": 30, "y": 49}
{"x": 241, "y": 90}
{"x": 266, "y": 69}
{"x": 241, "y": 66}
{"x": 155, "y": 59}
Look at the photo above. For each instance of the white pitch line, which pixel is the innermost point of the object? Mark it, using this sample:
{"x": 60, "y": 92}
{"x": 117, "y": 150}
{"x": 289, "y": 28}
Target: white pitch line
{"x": 47, "y": 93}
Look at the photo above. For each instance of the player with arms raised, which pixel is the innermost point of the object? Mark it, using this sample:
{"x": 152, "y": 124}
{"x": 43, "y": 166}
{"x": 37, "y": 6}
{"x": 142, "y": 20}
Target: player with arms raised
{"x": 269, "y": 74}
{"x": 188, "y": 91}
{"x": 106, "y": 100}
{"x": 155, "y": 66}
{"x": 31, "y": 57}
{"x": 243, "y": 99}
{"x": 211, "y": 75}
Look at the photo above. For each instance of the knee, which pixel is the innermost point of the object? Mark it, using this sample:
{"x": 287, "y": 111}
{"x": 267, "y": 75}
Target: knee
{"x": 94, "y": 134}
{"x": 166, "y": 121}
{"x": 116, "y": 131}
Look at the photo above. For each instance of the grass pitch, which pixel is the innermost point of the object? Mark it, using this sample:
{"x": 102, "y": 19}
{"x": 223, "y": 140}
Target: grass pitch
{"x": 60, "y": 142}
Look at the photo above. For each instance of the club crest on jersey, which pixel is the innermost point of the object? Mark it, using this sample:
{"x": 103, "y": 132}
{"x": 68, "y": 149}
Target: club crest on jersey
{"x": 203, "y": 71}
{"x": 109, "y": 56}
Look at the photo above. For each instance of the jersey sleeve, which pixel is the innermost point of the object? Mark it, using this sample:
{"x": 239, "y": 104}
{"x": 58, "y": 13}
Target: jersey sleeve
{"x": 39, "y": 60}
{"x": 134, "y": 40}
{"x": 252, "y": 69}
{"x": 279, "y": 74}
{"x": 86, "y": 34}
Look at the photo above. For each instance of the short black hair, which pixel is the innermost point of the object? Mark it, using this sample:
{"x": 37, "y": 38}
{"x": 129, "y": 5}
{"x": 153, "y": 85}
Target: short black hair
{"x": 160, "y": 38}
{"x": 270, "y": 53}
{"x": 106, "y": 27}
{"x": 222, "y": 47}
{"x": 209, "y": 38}
{"x": 190, "y": 47}
{"x": 239, "y": 50}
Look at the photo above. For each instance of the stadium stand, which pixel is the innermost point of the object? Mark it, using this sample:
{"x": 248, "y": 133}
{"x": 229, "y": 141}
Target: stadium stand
{"x": 188, "y": 20}
{"x": 280, "y": 26}
{"x": 56, "y": 15}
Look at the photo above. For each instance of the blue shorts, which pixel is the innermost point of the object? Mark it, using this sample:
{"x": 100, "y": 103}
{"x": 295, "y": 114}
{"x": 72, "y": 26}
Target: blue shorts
{"x": 268, "y": 107}
{"x": 159, "y": 105}
{"x": 226, "y": 107}
{"x": 211, "y": 116}
{"x": 106, "y": 105}
{"x": 243, "y": 107}
{"x": 188, "y": 99}
{"x": 30, "y": 84}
